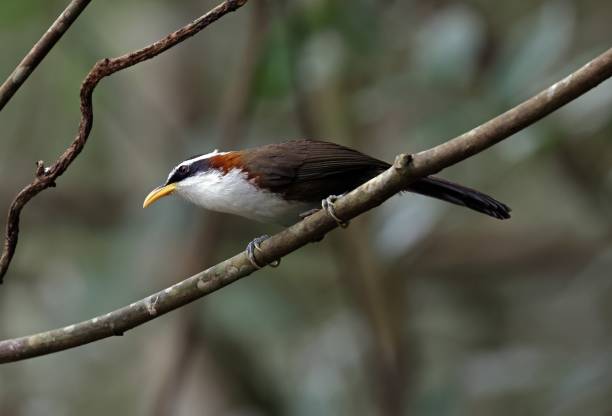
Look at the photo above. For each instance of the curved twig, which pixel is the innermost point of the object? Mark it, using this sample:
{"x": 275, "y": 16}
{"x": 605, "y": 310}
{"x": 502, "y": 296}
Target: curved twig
{"x": 369, "y": 195}
{"x": 46, "y": 176}
{"x": 40, "y": 49}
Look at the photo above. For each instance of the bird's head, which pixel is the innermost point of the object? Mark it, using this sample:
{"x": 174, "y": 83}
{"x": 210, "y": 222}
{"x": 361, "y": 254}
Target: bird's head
{"x": 191, "y": 178}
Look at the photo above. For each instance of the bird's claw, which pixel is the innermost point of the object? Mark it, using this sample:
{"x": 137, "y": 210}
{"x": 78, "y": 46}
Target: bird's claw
{"x": 254, "y": 246}
{"x": 328, "y": 205}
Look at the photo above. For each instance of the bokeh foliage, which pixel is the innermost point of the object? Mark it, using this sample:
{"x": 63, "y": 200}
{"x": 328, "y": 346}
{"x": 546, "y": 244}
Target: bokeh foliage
{"x": 417, "y": 308}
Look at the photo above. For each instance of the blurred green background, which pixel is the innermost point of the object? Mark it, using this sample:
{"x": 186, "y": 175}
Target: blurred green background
{"x": 418, "y": 308}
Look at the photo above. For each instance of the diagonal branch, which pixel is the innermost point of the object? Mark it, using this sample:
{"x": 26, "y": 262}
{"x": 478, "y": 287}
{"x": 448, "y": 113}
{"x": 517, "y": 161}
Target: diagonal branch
{"x": 45, "y": 177}
{"x": 369, "y": 195}
{"x": 40, "y": 49}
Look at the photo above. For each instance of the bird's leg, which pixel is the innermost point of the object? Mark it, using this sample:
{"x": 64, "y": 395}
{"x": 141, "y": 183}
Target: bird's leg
{"x": 328, "y": 205}
{"x": 254, "y": 246}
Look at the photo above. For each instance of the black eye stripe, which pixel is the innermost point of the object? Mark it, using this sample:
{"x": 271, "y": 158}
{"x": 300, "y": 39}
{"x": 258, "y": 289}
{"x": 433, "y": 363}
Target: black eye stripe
{"x": 200, "y": 166}
{"x": 185, "y": 170}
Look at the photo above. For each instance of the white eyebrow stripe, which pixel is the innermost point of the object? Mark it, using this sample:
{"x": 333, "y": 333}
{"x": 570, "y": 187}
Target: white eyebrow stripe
{"x": 215, "y": 152}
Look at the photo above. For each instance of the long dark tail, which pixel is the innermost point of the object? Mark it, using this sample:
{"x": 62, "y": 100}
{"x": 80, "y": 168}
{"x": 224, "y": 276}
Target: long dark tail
{"x": 460, "y": 195}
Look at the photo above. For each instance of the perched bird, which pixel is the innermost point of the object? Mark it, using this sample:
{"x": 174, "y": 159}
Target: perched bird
{"x": 281, "y": 183}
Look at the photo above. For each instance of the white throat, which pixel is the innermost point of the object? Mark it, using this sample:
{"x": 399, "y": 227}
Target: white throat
{"x": 234, "y": 193}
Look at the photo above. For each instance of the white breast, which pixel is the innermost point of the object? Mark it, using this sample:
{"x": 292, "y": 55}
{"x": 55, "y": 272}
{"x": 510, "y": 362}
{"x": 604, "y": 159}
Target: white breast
{"x": 233, "y": 193}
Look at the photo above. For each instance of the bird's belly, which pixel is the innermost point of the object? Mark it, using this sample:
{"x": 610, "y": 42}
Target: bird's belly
{"x": 233, "y": 194}
{"x": 271, "y": 209}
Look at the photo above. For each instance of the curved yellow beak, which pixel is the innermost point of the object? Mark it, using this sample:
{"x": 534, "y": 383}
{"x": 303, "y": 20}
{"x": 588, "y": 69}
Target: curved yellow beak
{"x": 157, "y": 193}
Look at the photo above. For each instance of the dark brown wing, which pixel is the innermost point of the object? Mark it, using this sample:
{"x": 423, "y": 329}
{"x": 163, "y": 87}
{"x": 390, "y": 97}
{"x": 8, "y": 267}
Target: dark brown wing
{"x": 310, "y": 170}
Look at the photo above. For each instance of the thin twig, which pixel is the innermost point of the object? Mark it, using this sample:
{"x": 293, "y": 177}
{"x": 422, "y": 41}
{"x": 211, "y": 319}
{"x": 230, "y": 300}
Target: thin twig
{"x": 46, "y": 177}
{"x": 40, "y": 49}
{"x": 367, "y": 196}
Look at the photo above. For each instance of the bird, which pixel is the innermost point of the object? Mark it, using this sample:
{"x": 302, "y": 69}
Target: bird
{"x": 284, "y": 182}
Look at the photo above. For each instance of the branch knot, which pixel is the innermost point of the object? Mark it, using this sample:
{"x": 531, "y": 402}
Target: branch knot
{"x": 43, "y": 173}
{"x": 402, "y": 161}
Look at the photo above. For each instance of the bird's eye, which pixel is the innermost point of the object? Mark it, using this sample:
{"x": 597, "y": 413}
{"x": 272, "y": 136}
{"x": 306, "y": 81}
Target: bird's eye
{"x": 183, "y": 169}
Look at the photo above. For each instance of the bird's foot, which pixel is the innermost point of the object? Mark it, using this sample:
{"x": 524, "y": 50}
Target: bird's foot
{"x": 253, "y": 246}
{"x": 328, "y": 205}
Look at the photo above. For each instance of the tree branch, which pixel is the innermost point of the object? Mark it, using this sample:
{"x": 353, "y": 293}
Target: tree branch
{"x": 405, "y": 170}
{"x": 46, "y": 177}
{"x": 40, "y": 49}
